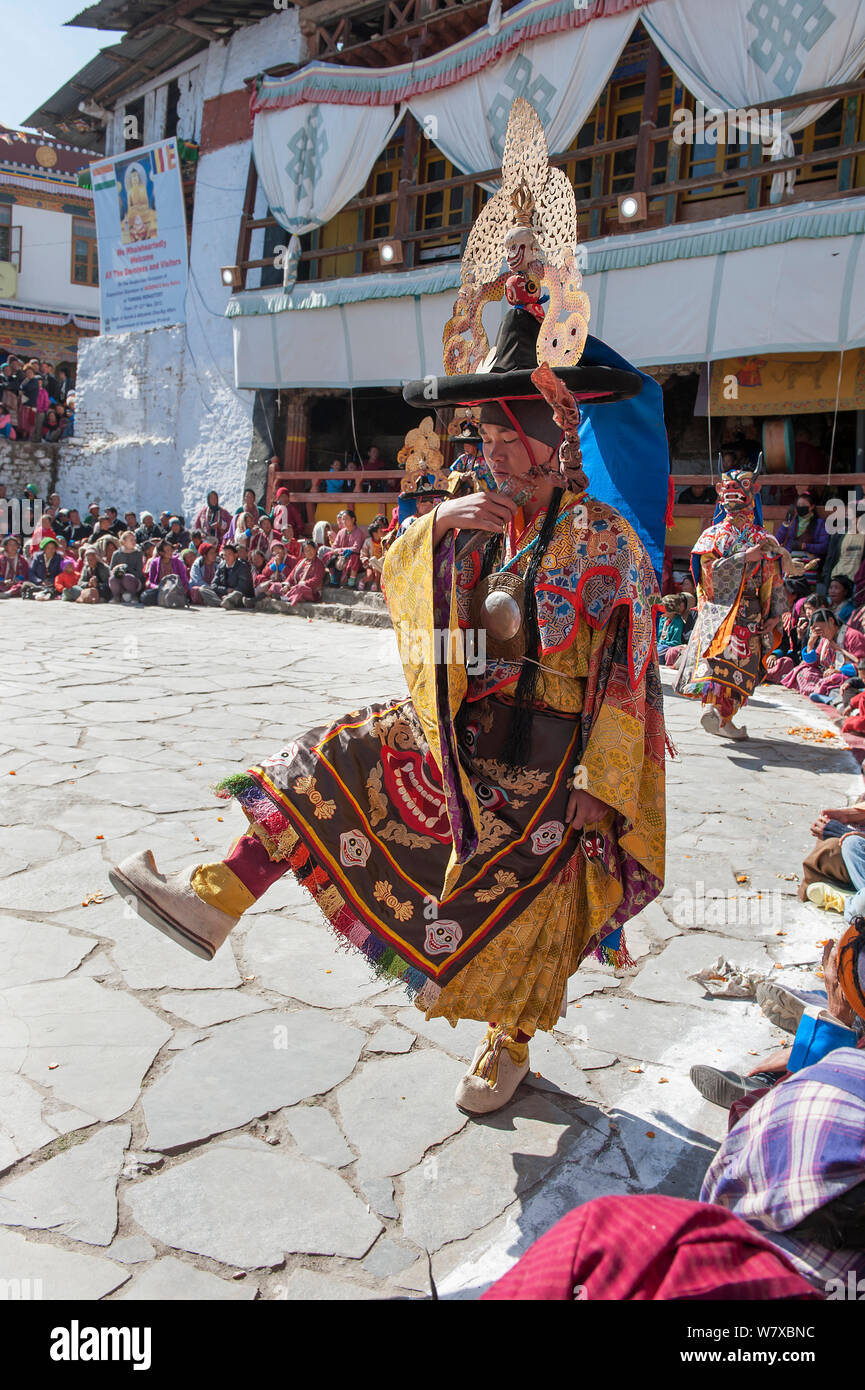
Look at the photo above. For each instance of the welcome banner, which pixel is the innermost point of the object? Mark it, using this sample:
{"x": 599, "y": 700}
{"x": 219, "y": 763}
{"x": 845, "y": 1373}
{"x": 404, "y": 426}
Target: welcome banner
{"x": 141, "y": 235}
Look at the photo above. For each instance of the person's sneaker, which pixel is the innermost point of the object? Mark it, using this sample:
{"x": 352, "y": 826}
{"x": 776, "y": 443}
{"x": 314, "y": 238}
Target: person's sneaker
{"x": 170, "y": 903}
{"x": 725, "y": 1087}
{"x": 826, "y": 896}
{"x": 783, "y": 1006}
{"x": 497, "y": 1068}
{"x": 127, "y": 598}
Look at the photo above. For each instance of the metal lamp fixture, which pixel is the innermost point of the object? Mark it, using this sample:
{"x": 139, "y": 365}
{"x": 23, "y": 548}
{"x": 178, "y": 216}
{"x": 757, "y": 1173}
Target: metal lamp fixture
{"x": 632, "y": 207}
{"x": 390, "y": 251}
{"x": 231, "y": 276}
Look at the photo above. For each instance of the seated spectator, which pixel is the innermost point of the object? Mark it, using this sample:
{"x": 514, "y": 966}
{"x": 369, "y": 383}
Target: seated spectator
{"x": 7, "y": 424}
{"x": 249, "y": 503}
{"x": 840, "y": 596}
{"x": 336, "y": 483}
{"x": 93, "y": 582}
{"x": 343, "y": 563}
{"x": 286, "y": 513}
{"x": 802, "y": 531}
{"x": 202, "y": 574}
{"x": 651, "y": 1248}
{"x": 260, "y": 537}
{"x": 698, "y": 494}
{"x": 115, "y": 525}
{"x": 177, "y": 533}
{"x": 196, "y": 536}
{"x": 67, "y": 578}
{"x": 131, "y": 521}
{"x": 233, "y": 580}
{"x": 14, "y": 569}
{"x": 373, "y": 463}
{"x": 127, "y": 570}
{"x": 273, "y": 578}
{"x": 671, "y": 628}
{"x": 830, "y": 656}
{"x": 148, "y": 530}
{"x": 90, "y": 520}
{"x": 164, "y": 522}
{"x": 243, "y": 524}
{"x": 60, "y": 522}
{"x": 793, "y": 1167}
{"x": 212, "y": 519}
{"x": 44, "y": 569}
{"x": 257, "y": 562}
{"x": 372, "y": 557}
{"x": 307, "y": 578}
{"x": 106, "y": 545}
{"x": 167, "y": 580}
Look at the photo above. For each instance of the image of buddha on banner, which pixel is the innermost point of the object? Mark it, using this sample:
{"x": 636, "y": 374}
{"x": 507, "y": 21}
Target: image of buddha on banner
{"x": 138, "y": 220}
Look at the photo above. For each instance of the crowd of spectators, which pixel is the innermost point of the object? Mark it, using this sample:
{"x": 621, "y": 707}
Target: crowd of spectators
{"x": 36, "y": 403}
{"x": 247, "y": 559}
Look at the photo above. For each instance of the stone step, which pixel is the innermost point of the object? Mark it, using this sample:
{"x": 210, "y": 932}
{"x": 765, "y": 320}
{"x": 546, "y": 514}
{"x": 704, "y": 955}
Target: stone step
{"x": 343, "y": 606}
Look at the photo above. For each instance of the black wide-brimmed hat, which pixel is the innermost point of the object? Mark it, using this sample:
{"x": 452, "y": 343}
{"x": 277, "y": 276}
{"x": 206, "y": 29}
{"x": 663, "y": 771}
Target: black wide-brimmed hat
{"x": 510, "y": 374}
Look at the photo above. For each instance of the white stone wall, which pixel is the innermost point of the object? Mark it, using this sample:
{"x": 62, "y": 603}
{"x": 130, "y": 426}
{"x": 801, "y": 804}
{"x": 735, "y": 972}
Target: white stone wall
{"x": 158, "y": 419}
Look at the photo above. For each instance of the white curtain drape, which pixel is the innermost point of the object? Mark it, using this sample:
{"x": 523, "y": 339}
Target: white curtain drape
{"x": 562, "y": 76}
{"x": 313, "y": 159}
{"x": 746, "y": 51}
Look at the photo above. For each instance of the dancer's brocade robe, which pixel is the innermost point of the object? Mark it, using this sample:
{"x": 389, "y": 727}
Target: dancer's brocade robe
{"x": 725, "y": 659}
{"x": 446, "y": 868}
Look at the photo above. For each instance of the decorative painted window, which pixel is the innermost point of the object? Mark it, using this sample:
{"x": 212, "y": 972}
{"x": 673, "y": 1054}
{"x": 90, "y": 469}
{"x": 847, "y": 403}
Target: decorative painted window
{"x": 85, "y": 265}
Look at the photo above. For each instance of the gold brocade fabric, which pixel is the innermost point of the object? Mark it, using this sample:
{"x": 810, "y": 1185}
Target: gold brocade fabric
{"x": 519, "y": 979}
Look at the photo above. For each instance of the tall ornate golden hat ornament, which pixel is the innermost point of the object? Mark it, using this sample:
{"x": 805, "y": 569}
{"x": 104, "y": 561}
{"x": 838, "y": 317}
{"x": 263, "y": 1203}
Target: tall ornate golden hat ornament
{"x": 523, "y": 248}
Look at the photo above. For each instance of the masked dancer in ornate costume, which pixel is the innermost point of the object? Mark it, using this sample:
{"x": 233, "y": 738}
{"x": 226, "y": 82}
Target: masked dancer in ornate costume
{"x": 479, "y": 838}
{"x": 738, "y": 568}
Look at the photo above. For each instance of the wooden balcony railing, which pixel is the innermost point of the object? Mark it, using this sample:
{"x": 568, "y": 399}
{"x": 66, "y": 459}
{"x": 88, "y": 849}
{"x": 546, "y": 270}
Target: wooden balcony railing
{"x": 666, "y": 197}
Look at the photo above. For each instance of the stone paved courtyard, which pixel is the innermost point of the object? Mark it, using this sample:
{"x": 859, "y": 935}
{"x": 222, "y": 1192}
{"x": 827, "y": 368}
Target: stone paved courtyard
{"x": 277, "y": 1123}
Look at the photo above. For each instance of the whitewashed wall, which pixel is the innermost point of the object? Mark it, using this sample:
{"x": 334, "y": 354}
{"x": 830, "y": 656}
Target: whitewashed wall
{"x": 158, "y": 419}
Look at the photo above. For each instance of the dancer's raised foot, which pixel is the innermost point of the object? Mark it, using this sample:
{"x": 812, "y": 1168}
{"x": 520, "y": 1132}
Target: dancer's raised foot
{"x": 498, "y": 1067}
{"x": 170, "y": 903}
{"x": 711, "y": 720}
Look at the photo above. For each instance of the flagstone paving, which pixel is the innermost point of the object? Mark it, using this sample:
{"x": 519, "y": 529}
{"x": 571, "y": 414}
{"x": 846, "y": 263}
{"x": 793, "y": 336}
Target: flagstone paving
{"x": 278, "y": 1124}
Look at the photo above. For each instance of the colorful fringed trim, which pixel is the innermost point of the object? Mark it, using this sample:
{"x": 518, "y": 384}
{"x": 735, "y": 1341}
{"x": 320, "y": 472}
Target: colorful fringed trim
{"x": 613, "y": 950}
{"x": 282, "y": 841}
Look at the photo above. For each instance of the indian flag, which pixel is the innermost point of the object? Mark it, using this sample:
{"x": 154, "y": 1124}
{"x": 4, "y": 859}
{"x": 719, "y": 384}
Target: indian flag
{"x": 103, "y": 177}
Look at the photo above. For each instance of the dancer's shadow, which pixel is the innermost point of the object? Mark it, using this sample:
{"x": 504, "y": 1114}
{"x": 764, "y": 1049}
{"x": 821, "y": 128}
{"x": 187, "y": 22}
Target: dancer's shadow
{"x": 596, "y": 1155}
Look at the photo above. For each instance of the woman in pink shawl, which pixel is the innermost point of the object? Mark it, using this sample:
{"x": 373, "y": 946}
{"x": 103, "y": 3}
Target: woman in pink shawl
{"x": 830, "y": 648}
{"x": 213, "y": 520}
{"x": 307, "y": 578}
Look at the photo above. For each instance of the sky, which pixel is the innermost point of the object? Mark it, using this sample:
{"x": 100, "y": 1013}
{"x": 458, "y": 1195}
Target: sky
{"x": 39, "y": 54}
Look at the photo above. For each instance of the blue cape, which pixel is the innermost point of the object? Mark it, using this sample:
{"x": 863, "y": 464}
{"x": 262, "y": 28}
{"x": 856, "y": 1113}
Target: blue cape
{"x": 626, "y": 455}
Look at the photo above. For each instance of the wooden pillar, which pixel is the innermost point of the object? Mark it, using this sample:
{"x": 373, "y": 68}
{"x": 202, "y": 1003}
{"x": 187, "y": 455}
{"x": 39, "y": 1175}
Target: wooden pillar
{"x": 296, "y": 432}
{"x": 406, "y": 206}
{"x": 244, "y": 235}
{"x": 648, "y": 122}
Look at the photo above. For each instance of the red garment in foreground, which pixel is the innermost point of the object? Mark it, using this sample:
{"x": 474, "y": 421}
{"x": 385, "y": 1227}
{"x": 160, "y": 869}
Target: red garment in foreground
{"x": 647, "y": 1248}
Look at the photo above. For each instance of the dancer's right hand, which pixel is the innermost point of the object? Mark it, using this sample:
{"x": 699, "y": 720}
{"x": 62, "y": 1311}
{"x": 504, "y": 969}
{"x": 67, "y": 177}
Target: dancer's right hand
{"x": 478, "y": 511}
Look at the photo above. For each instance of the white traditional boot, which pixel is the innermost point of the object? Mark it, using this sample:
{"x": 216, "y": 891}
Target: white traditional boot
{"x": 711, "y": 720}
{"x": 729, "y": 730}
{"x": 170, "y": 903}
{"x": 497, "y": 1069}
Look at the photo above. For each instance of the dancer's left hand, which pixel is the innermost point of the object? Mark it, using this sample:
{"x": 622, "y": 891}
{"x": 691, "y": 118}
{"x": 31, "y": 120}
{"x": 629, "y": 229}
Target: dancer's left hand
{"x": 584, "y": 809}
